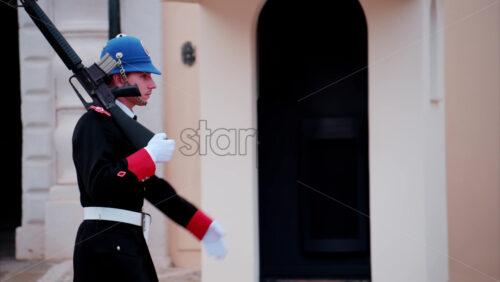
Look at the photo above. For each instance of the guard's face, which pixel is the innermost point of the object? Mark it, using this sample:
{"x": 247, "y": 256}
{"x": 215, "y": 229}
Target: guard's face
{"x": 145, "y": 83}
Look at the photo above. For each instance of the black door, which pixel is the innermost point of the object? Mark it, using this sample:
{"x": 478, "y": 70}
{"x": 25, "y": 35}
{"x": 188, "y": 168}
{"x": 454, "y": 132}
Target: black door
{"x": 313, "y": 140}
{"x": 10, "y": 139}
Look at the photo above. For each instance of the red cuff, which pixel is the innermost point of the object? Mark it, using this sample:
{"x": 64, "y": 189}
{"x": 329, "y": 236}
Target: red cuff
{"x": 141, "y": 164}
{"x": 198, "y": 225}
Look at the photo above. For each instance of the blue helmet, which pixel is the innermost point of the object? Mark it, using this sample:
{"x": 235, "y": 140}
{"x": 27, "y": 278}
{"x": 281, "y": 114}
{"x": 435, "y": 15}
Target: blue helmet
{"x": 132, "y": 53}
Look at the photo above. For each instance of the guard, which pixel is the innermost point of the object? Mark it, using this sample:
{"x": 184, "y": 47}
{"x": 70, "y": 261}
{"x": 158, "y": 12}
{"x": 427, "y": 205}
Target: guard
{"x": 114, "y": 178}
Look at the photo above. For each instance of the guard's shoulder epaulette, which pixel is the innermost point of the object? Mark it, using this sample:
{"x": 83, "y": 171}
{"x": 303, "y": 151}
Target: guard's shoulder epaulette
{"x": 100, "y": 110}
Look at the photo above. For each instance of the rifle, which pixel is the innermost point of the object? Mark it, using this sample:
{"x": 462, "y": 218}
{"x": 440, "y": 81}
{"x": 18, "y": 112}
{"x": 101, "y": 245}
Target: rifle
{"x": 93, "y": 79}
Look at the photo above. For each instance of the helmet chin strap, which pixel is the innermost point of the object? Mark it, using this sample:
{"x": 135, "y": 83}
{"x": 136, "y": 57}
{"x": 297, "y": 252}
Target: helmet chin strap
{"x": 119, "y": 55}
{"x": 141, "y": 101}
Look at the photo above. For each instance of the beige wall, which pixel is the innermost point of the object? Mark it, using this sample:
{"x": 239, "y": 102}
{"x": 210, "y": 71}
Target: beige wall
{"x": 182, "y": 110}
{"x": 473, "y": 138}
{"x": 407, "y": 172}
{"x": 228, "y": 100}
{"x": 407, "y": 160}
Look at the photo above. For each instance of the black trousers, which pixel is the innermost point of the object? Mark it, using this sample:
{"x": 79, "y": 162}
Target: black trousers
{"x": 111, "y": 251}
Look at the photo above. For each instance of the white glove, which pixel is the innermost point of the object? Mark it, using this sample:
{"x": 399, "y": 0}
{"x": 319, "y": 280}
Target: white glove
{"x": 160, "y": 148}
{"x": 213, "y": 241}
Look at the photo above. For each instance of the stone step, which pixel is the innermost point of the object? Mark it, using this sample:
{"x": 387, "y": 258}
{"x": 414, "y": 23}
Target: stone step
{"x": 13, "y": 270}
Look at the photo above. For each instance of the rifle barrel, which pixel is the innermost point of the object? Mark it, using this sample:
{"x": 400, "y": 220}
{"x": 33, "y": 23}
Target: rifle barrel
{"x": 55, "y": 38}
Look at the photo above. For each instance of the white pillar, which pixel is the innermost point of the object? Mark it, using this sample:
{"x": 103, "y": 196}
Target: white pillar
{"x": 38, "y": 118}
{"x": 85, "y": 26}
{"x": 406, "y": 115}
{"x": 51, "y": 208}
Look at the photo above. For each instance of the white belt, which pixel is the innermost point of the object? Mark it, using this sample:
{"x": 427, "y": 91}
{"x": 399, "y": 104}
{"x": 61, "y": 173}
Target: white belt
{"x": 119, "y": 215}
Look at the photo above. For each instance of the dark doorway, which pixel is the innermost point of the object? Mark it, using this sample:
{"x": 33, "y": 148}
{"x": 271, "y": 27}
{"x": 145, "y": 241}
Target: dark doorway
{"x": 313, "y": 141}
{"x": 10, "y": 140}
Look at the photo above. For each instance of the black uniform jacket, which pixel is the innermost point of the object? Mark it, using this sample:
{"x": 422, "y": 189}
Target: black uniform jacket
{"x": 112, "y": 173}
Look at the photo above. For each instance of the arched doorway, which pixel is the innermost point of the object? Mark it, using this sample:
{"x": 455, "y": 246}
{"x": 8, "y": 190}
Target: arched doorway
{"x": 313, "y": 140}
